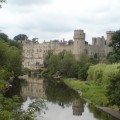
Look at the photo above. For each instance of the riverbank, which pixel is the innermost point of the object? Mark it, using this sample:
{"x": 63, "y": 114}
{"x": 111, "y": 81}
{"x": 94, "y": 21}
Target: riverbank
{"x": 91, "y": 92}
{"x": 110, "y": 111}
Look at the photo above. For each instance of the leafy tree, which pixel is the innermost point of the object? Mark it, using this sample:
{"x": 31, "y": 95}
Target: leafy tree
{"x": 68, "y": 66}
{"x": 83, "y": 66}
{"x": 15, "y": 61}
{"x": 10, "y": 58}
{"x": 47, "y": 57}
{"x": 2, "y": 1}
{"x": 113, "y": 89}
{"x": 53, "y": 64}
{"x": 115, "y": 44}
{"x": 3, "y": 37}
{"x": 20, "y": 37}
{"x": 70, "y": 42}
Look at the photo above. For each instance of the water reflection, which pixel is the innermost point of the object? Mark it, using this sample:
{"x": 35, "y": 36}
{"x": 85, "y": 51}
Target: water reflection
{"x": 63, "y": 102}
{"x": 78, "y": 107}
{"x": 34, "y": 88}
{"x": 58, "y": 92}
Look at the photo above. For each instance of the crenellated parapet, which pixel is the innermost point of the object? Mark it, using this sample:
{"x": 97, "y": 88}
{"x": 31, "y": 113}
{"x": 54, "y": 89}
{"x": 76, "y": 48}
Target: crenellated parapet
{"x": 79, "y": 34}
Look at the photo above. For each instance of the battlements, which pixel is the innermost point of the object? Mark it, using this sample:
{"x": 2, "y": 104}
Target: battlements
{"x": 34, "y": 53}
{"x": 79, "y": 34}
{"x": 98, "y": 41}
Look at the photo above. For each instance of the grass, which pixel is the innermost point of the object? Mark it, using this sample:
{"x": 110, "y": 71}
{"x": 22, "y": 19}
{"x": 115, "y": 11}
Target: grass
{"x": 89, "y": 91}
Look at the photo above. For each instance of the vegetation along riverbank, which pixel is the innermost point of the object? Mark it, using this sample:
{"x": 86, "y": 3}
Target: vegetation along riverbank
{"x": 102, "y": 85}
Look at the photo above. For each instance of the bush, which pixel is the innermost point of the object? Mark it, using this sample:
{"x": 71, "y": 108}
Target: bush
{"x": 95, "y": 73}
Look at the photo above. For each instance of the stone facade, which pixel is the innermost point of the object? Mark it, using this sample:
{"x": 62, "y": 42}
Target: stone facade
{"x": 34, "y": 52}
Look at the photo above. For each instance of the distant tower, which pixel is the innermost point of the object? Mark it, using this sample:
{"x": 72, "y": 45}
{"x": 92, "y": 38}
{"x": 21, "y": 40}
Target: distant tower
{"x": 109, "y": 36}
{"x": 79, "y": 42}
{"x": 100, "y": 41}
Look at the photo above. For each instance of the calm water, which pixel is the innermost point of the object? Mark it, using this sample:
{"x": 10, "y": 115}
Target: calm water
{"x": 63, "y": 102}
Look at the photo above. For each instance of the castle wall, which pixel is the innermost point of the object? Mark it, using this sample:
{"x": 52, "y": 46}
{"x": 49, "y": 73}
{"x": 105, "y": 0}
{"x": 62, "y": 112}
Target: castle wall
{"x": 34, "y": 53}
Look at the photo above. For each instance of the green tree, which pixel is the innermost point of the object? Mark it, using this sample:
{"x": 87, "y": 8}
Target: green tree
{"x": 70, "y": 42}
{"x": 3, "y": 37}
{"x": 68, "y": 66}
{"x": 2, "y": 1}
{"x": 83, "y": 66}
{"x": 20, "y": 37}
{"x": 15, "y": 61}
{"x": 53, "y": 64}
{"x": 115, "y": 44}
{"x": 47, "y": 57}
{"x": 113, "y": 89}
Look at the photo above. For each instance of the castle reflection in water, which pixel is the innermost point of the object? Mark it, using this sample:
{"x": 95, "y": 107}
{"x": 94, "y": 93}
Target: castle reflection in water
{"x": 78, "y": 107}
{"x": 33, "y": 88}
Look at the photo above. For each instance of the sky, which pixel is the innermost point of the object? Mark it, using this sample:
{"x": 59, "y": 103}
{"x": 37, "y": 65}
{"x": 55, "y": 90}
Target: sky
{"x": 57, "y": 19}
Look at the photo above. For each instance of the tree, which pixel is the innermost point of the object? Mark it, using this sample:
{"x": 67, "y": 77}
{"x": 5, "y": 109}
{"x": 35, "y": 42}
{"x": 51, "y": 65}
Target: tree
{"x": 113, "y": 89}
{"x": 2, "y": 1}
{"x": 70, "y": 42}
{"x": 47, "y": 57}
{"x": 21, "y": 37}
{"x": 3, "y": 37}
{"x": 68, "y": 65}
{"x": 114, "y": 56}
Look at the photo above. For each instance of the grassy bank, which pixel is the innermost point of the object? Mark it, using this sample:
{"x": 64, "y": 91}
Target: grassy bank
{"x": 89, "y": 91}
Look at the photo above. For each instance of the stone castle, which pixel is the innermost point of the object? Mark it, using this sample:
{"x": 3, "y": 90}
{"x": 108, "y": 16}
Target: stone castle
{"x": 34, "y": 52}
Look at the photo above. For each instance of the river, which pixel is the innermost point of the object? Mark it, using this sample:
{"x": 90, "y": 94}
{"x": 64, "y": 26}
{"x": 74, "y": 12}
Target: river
{"x": 63, "y": 103}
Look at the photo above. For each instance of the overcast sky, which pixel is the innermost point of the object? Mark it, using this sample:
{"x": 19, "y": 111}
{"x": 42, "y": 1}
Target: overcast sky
{"x": 57, "y": 19}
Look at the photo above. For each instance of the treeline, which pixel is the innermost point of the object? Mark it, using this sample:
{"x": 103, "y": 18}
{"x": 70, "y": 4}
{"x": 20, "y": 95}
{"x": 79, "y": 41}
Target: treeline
{"x": 10, "y": 57}
{"x": 107, "y": 76}
{"x": 66, "y": 65}
{"x": 10, "y": 66}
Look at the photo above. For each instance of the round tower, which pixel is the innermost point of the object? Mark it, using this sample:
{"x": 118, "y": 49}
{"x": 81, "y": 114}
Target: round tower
{"x": 79, "y": 42}
{"x": 109, "y": 36}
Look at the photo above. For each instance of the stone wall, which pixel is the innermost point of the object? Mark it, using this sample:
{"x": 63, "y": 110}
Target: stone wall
{"x": 34, "y": 53}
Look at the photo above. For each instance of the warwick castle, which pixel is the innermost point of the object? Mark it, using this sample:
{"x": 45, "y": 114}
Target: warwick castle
{"x": 34, "y": 52}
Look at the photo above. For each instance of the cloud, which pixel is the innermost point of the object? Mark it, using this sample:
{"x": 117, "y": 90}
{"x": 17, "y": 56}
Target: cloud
{"x": 50, "y": 19}
{"x": 28, "y": 2}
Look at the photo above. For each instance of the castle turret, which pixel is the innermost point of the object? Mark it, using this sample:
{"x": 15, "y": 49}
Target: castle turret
{"x": 100, "y": 41}
{"x": 109, "y": 36}
{"x": 79, "y": 42}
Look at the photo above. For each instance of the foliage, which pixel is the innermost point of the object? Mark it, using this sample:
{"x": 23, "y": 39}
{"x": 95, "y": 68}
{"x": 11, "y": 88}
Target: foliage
{"x": 83, "y": 66}
{"x": 47, "y": 57}
{"x": 2, "y": 1}
{"x": 10, "y": 66}
{"x": 66, "y": 64}
{"x": 89, "y": 91}
{"x": 108, "y": 77}
{"x": 70, "y": 42}
{"x": 95, "y": 73}
{"x": 10, "y": 58}
{"x": 10, "y": 108}
{"x": 20, "y": 37}
{"x": 114, "y": 56}
{"x": 60, "y": 93}
{"x": 3, "y": 37}
{"x": 113, "y": 89}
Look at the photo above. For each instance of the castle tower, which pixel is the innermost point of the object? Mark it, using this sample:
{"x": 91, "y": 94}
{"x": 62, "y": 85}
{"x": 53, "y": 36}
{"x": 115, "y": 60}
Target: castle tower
{"x": 79, "y": 42}
{"x": 109, "y": 36}
{"x": 100, "y": 41}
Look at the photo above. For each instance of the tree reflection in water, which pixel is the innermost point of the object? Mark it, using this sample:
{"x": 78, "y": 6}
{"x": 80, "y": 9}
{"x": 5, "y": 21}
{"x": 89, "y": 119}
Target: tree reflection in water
{"x": 60, "y": 93}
